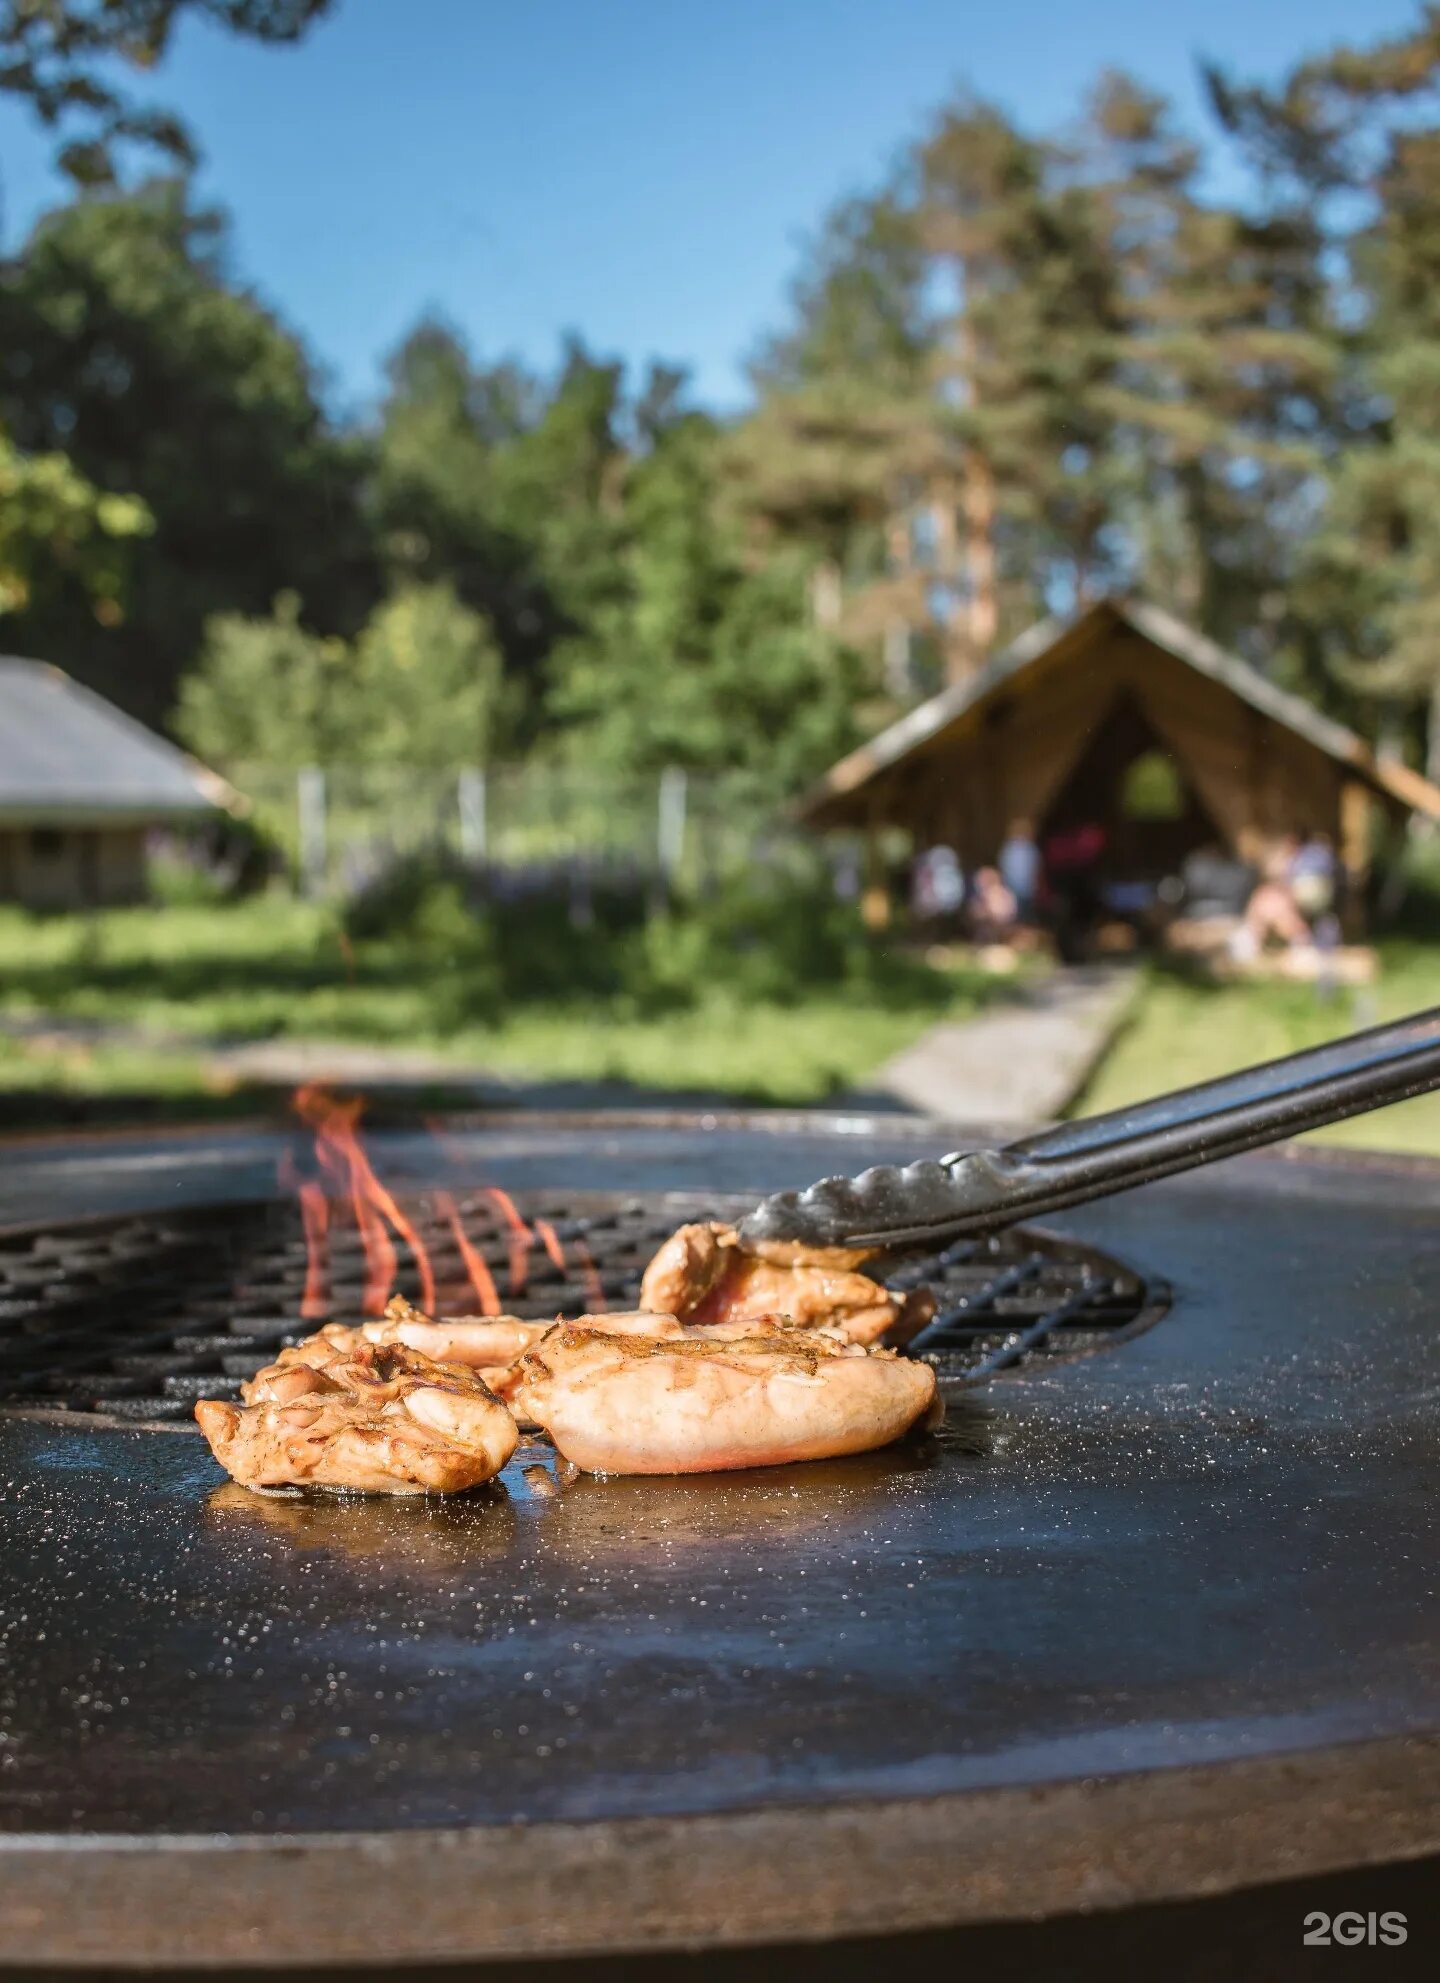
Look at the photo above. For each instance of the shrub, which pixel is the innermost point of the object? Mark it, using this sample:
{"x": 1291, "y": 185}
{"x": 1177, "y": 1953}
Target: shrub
{"x": 770, "y": 938}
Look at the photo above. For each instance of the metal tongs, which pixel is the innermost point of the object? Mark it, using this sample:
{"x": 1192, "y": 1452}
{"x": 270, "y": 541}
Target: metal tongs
{"x": 981, "y": 1191}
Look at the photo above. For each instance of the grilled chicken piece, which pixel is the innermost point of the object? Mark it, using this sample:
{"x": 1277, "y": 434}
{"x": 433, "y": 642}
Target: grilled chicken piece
{"x": 384, "y": 1420}
{"x": 490, "y": 1345}
{"x": 483, "y": 1342}
{"x": 666, "y": 1405}
{"x": 706, "y": 1276}
{"x": 310, "y": 1368}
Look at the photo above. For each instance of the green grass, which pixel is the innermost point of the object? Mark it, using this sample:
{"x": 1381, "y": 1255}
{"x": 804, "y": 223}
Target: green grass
{"x": 144, "y": 991}
{"x": 165, "y": 982}
{"x": 1180, "y": 1032}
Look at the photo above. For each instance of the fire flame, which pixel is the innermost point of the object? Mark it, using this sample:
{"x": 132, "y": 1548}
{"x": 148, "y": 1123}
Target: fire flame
{"x": 315, "y": 1219}
{"x": 550, "y": 1240}
{"x": 315, "y": 1213}
{"x": 342, "y": 1156}
{"x": 380, "y": 1221}
{"x": 518, "y": 1236}
{"x": 481, "y": 1279}
{"x": 589, "y": 1273}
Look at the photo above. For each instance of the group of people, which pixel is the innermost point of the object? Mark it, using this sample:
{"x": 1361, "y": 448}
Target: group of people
{"x": 1286, "y": 893}
{"x": 995, "y": 903}
{"x": 1293, "y": 899}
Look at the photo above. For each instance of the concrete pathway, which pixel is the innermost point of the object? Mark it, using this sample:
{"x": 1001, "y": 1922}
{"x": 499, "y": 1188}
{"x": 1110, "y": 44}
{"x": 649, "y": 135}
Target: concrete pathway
{"x": 1022, "y": 1062}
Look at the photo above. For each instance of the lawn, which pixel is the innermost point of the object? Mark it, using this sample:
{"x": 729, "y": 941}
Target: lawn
{"x": 1180, "y": 1032}
{"x": 129, "y": 1001}
{"x": 128, "y": 1004}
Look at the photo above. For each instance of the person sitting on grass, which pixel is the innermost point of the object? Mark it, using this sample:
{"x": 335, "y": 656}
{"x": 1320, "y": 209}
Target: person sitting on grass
{"x": 1272, "y": 911}
{"x": 992, "y": 908}
{"x": 1311, "y": 876}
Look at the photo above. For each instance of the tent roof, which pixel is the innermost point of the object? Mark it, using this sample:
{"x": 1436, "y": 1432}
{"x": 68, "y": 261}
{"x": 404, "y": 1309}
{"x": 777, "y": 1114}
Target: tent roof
{"x": 68, "y": 754}
{"x": 929, "y": 721}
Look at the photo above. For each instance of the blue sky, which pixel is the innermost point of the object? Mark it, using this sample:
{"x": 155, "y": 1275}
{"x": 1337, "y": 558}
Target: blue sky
{"x": 640, "y": 170}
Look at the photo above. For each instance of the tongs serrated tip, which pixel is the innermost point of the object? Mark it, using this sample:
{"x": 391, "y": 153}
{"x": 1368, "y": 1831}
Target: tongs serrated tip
{"x": 889, "y": 1204}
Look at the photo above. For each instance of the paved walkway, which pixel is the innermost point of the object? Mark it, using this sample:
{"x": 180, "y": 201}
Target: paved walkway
{"x": 1022, "y": 1062}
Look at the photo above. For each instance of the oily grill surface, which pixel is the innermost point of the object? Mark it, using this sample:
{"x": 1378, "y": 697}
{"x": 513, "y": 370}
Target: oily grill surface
{"x": 1147, "y": 1622}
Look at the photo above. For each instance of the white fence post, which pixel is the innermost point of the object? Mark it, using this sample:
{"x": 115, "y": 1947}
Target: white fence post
{"x": 310, "y": 811}
{"x": 670, "y": 834}
{"x": 470, "y": 794}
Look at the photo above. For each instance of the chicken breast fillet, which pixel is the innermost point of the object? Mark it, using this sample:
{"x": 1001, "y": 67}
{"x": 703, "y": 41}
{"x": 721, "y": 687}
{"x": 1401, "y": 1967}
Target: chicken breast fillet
{"x": 382, "y": 1421}
{"x": 665, "y": 1405}
{"x": 329, "y": 1356}
{"x": 490, "y": 1345}
{"x": 705, "y": 1275}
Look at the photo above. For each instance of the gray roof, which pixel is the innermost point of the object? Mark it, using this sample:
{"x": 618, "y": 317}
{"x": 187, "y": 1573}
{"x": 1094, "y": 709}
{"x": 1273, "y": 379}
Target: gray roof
{"x": 918, "y": 726}
{"x": 67, "y": 753}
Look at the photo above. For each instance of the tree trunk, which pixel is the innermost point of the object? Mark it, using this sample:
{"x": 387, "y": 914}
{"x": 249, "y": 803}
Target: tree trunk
{"x": 977, "y": 510}
{"x": 977, "y": 502}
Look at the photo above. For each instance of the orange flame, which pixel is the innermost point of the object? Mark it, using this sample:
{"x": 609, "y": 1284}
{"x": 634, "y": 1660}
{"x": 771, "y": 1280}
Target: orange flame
{"x": 315, "y": 1214}
{"x": 344, "y": 1163}
{"x": 481, "y": 1279}
{"x": 589, "y": 1273}
{"x": 315, "y": 1218}
{"x": 517, "y": 1234}
{"x": 338, "y": 1147}
{"x": 550, "y": 1240}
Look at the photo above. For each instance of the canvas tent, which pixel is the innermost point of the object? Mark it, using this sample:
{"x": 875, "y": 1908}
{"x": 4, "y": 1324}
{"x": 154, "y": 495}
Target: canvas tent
{"x": 1078, "y": 717}
{"x": 81, "y": 784}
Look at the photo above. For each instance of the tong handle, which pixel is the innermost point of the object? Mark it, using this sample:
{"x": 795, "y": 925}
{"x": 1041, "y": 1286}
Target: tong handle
{"x": 1241, "y": 1111}
{"x": 983, "y": 1190}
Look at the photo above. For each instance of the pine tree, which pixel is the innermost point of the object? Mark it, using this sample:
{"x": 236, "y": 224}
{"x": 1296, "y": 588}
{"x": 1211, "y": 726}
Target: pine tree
{"x": 699, "y": 658}
{"x": 1223, "y": 371}
{"x": 1350, "y": 140}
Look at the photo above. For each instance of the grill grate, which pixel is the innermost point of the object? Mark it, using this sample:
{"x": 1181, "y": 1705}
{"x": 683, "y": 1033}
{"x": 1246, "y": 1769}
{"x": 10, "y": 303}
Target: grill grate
{"x": 135, "y": 1318}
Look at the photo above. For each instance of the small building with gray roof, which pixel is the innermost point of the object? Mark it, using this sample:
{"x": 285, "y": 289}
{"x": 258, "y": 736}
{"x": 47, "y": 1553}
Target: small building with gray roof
{"x": 82, "y": 786}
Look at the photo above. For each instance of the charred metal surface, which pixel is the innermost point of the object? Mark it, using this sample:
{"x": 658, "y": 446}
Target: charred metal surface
{"x": 1148, "y": 1624}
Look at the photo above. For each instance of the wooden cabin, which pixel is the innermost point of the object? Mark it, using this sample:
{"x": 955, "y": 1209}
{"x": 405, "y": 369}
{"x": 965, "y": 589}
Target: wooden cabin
{"x": 81, "y": 786}
{"x": 1123, "y": 717}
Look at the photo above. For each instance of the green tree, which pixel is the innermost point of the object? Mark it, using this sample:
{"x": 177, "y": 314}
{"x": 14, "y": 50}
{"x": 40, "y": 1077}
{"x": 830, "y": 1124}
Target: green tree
{"x": 828, "y": 467}
{"x": 420, "y": 687}
{"x": 858, "y": 308}
{"x": 506, "y": 486}
{"x": 559, "y": 483}
{"x": 434, "y": 492}
{"x": 268, "y": 691}
{"x": 1350, "y": 141}
{"x": 126, "y": 344}
{"x": 697, "y": 658}
{"x": 60, "y": 56}
{"x": 1035, "y": 367}
{"x": 931, "y": 426}
{"x": 428, "y": 684}
{"x": 54, "y": 523}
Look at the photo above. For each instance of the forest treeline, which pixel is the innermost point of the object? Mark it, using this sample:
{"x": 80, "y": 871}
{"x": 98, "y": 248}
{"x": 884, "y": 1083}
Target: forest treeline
{"x": 1024, "y": 369}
